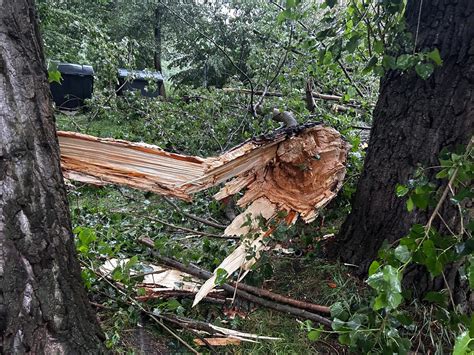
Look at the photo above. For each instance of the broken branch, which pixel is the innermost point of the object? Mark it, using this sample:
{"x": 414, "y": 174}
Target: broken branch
{"x": 203, "y": 274}
{"x": 192, "y": 216}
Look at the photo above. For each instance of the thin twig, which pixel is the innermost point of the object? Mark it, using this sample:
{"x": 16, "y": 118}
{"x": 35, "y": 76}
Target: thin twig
{"x": 277, "y": 71}
{"x": 151, "y": 315}
{"x": 449, "y": 291}
{"x": 191, "y": 230}
{"x": 341, "y": 65}
{"x": 215, "y": 44}
{"x": 192, "y": 216}
{"x": 417, "y": 26}
{"x": 446, "y": 190}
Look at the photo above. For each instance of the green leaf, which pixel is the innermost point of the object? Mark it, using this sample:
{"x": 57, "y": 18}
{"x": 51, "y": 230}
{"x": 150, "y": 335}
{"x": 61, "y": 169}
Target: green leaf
{"x": 470, "y": 274}
{"x": 344, "y": 339}
{"x": 314, "y": 335}
{"x": 402, "y": 253}
{"x": 389, "y": 62}
{"x": 370, "y": 65}
{"x": 442, "y": 174}
{"x": 337, "y": 324}
{"x": 373, "y": 267}
{"x": 378, "y": 47}
{"x": 376, "y": 281}
{"x": 379, "y": 303}
{"x": 353, "y": 43}
{"x": 429, "y": 249}
{"x": 404, "y": 61}
{"x": 435, "y": 56}
{"x": 420, "y": 200}
{"x": 461, "y": 346}
{"x": 54, "y": 76}
{"x": 410, "y": 205}
{"x": 424, "y": 70}
{"x": 463, "y": 194}
{"x": 392, "y": 276}
{"x": 221, "y": 276}
{"x": 401, "y": 190}
{"x": 394, "y": 299}
{"x": 436, "y": 297}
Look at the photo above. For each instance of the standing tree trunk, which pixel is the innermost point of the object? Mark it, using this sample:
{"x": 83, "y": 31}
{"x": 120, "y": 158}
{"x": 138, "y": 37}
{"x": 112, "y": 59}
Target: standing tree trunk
{"x": 44, "y": 308}
{"x": 413, "y": 120}
{"x": 158, "y": 47}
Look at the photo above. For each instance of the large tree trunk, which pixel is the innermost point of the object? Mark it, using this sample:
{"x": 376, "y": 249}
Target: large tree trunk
{"x": 413, "y": 120}
{"x": 44, "y": 308}
{"x": 158, "y": 46}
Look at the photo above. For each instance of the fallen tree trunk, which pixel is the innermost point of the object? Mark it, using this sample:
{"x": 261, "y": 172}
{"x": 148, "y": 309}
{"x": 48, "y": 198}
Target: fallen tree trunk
{"x": 297, "y": 169}
{"x": 287, "y": 174}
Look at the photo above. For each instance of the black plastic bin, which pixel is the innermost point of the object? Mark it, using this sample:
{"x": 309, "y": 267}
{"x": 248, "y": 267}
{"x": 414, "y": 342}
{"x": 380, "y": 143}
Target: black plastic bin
{"x": 137, "y": 80}
{"x": 77, "y": 84}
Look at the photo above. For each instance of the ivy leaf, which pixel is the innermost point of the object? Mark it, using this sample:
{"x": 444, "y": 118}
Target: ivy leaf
{"x": 436, "y": 297}
{"x": 461, "y": 195}
{"x": 379, "y": 303}
{"x": 402, "y": 253}
{"x": 461, "y": 346}
{"x": 401, "y": 190}
{"x": 404, "y": 61}
{"x": 394, "y": 299}
{"x": 376, "y": 281}
{"x": 424, "y": 70}
{"x": 373, "y": 267}
{"x": 338, "y": 311}
{"x": 442, "y": 174}
{"x": 435, "y": 56}
{"x": 410, "y": 205}
{"x": 392, "y": 276}
{"x": 420, "y": 200}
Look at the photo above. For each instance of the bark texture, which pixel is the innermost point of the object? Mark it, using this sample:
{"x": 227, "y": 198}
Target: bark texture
{"x": 413, "y": 120}
{"x": 44, "y": 308}
{"x": 157, "y": 56}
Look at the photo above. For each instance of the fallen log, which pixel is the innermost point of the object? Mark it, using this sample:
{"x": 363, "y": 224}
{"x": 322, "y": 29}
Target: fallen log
{"x": 291, "y": 172}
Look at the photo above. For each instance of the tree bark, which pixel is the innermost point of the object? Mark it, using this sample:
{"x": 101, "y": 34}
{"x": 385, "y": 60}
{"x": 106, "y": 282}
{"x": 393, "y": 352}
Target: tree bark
{"x": 158, "y": 47}
{"x": 44, "y": 307}
{"x": 413, "y": 120}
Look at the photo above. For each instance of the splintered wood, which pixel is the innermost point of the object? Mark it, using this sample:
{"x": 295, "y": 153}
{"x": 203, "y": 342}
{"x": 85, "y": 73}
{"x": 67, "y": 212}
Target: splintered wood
{"x": 296, "y": 171}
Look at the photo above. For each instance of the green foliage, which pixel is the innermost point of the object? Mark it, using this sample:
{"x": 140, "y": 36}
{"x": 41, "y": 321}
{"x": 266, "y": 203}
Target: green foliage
{"x": 384, "y": 326}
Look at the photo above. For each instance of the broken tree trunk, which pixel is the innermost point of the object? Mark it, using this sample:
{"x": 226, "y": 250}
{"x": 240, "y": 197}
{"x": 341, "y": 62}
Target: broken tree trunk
{"x": 291, "y": 172}
{"x": 298, "y": 169}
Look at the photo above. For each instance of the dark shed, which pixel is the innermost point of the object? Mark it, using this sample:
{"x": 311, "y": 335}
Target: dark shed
{"x": 77, "y": 84}
{"x": 138, "y": 80}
